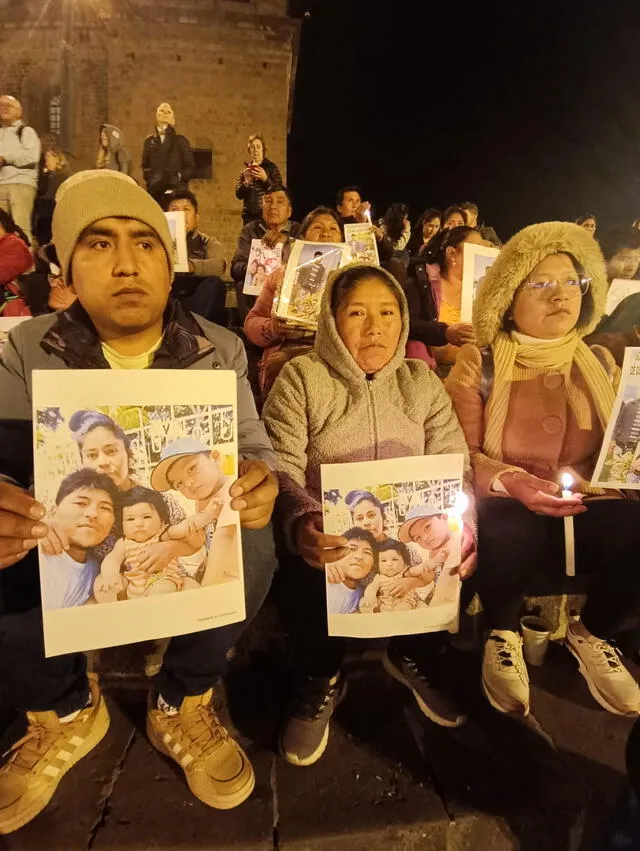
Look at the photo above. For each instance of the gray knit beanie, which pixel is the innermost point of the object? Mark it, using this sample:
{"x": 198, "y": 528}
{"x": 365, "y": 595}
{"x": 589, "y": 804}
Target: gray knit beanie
{"x": 97, "y": 194}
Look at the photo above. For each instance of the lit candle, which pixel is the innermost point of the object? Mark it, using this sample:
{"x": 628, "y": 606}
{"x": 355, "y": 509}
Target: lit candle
{"x": 367, "y": 214}
{"x": 454, "y": 514}
{"x": 569, "y": 539}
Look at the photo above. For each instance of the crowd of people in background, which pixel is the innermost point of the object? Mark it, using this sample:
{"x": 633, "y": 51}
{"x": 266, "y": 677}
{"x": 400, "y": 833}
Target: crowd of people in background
{"x": 524, "y": 391}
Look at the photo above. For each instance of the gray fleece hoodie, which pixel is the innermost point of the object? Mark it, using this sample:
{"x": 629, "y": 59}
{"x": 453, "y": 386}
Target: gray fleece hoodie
{"x": 323, "y": 409}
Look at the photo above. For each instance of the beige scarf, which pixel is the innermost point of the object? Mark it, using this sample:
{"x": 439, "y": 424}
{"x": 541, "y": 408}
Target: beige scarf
{"x": 558, "y": 355}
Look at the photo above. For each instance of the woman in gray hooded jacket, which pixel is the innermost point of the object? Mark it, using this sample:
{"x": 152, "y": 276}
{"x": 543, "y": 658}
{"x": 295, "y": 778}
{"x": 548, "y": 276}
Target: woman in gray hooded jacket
{"x": 112, "y": 153}
{"x": 354, "y": 398}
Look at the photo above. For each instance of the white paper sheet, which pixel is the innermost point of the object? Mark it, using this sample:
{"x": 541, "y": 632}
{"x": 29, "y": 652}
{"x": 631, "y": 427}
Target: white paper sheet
{"x": 362, "y": 605}
{"x": 156, "y": 411}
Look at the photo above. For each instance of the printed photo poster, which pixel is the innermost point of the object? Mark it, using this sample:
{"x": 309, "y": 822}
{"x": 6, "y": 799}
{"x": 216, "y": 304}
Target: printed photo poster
{"x": 476, "y": 260}
{"x": 6, "y": 324}
{"x": 262, "y": 262}
{"x": 134, "y": 468}
{"x": 362, "y": 244}
{"x": 178, "y": 229}
{"x": 305, "y": 278}
{"x": 619, "y": 461}
{"x": 618, "y": 291}
{"x": 397, "y": 516}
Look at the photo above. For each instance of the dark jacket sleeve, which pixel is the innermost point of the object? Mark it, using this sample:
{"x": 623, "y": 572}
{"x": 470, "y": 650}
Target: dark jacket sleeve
{"x": 16, "y": 441}
{"x": 385, "y": 249}
{"x": 423, "y": 321}
{"x": 242, "y": 190}
{"x": 188, "y": 167}
{"x": 273, "y": 173}
{"x": 241, "y": 257}
{"x": 146, "y": 159}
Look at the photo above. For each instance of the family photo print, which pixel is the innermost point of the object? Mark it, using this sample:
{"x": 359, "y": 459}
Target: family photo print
{"x": 401, "y": 519}
{"x": 134, "y": 469}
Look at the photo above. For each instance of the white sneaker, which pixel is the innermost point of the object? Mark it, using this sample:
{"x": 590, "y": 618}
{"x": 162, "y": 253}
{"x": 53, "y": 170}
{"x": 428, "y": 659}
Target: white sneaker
{"x": 505, "y": 680}
{"x": 609, "y": 682}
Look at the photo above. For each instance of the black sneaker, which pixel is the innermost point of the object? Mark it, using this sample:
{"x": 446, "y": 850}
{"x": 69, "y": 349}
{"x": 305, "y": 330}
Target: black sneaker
{"x": 306, "y": 733}
{"x": 432, "y": 696}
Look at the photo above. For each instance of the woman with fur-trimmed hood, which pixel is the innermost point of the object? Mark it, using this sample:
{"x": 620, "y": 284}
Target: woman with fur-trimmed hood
{"x": 354, "y": 398}
{"x": 534, "y": 401}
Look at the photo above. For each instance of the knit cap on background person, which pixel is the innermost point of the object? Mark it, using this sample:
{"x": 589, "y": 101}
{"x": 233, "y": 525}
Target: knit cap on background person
{"x": 88, "y": 196}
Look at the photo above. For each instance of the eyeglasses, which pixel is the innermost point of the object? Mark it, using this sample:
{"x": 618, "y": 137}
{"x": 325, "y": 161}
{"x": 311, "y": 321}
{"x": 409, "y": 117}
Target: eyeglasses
{"x": 572, "y": 287}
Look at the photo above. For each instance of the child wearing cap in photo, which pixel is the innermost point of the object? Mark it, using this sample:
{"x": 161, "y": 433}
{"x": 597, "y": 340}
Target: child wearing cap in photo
{"x": 144, "y": 520}
{"x": 428, "y": 527}
{"x": 190, "y": 467}
{"x": 394, "y": 562}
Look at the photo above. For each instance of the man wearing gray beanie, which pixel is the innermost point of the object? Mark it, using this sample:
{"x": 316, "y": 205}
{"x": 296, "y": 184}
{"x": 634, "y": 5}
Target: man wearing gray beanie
{"x": 115, "y": 251}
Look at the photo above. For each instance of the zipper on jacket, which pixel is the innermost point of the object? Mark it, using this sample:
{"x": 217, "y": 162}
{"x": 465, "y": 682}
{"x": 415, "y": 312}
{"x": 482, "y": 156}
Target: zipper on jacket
{"x": 373, "y": 418}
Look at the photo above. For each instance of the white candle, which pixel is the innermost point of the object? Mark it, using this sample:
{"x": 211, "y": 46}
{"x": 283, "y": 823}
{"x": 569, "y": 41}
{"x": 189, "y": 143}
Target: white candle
{"x": 569, "y": 539}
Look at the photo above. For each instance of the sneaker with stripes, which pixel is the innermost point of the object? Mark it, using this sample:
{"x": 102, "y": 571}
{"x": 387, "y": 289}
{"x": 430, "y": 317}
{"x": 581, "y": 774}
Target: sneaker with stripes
{"x": 32, "y": 769}
{"x": 216, "y": 768}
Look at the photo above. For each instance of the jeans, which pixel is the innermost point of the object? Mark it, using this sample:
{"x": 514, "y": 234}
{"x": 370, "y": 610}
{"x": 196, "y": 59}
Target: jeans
{"x": 515, "y": 545}
{"x": 192, "y": 663}
{"x": 18, "y": 199}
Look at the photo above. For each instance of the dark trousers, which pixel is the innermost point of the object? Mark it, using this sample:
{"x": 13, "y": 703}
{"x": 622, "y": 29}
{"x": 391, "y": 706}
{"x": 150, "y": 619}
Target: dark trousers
{"x": 192, "y": 663}
{"x": 515, "y": 546}
{"x": 303, "y": 606}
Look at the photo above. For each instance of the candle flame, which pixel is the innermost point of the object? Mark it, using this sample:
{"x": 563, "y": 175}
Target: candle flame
{"x": 460, "y": 505}
{"x": 566, "y": 480}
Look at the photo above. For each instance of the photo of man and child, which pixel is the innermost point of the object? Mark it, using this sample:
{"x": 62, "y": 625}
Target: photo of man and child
{"x": 402, "y": 552}
{"x": 139, "y": 504}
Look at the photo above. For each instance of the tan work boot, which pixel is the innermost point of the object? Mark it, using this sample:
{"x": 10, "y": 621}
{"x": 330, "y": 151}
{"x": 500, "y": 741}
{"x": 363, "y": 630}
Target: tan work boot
{"x": 217, "y": 769}
{"x": 36, "y": 764}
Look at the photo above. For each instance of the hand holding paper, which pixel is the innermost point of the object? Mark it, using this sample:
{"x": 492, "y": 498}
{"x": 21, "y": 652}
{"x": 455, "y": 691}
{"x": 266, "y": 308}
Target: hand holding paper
{"x": 254, "y": 494}
{"x": 316, "y": 548}
{"x": 19, "y": 529}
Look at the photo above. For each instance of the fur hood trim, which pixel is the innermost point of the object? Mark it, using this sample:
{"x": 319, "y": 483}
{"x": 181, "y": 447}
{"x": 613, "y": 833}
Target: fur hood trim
{"x": 520, "y": 256}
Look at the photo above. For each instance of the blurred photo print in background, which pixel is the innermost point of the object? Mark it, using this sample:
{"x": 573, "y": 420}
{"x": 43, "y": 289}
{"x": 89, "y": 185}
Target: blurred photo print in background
{"x": 401, "y": 519}
{"x": 619, "y": 461}
{"x": 135, "y": 473}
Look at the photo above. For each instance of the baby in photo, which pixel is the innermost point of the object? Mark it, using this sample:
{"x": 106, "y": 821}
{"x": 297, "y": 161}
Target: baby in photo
{"x": 195, "y": 471}
{"x": 394, "y": 562}
{"x": 144, "y": 521}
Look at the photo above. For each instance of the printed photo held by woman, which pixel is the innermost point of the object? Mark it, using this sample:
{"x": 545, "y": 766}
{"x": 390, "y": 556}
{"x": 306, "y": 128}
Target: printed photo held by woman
{"x": 258, "y": 175}
{"x": 282, "y": 341}
{"x": 354, "y": 398}
{"x": 534, "y": 401}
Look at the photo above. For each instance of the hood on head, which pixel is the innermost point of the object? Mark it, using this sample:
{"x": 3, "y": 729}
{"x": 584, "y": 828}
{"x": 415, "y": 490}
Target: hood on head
{"x": 520, "y": 256}
{"x": 328, "y": 343}
{"x": 115, "y": 136}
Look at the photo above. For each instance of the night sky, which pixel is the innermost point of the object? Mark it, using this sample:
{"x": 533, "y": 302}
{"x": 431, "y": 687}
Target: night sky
{"x": 530, "y": 109}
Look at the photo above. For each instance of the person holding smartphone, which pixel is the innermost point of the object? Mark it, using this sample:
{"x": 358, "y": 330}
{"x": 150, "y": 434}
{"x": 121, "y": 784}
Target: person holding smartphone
{"x": 258, "y": 175}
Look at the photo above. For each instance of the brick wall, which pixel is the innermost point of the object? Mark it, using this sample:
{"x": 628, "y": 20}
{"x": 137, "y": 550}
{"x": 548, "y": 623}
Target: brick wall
{"x": 225, "y": 67}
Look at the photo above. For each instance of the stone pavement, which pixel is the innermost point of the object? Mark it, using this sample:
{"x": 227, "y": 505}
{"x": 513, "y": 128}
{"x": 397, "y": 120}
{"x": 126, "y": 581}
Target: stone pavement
{"x": 389, "y": 777}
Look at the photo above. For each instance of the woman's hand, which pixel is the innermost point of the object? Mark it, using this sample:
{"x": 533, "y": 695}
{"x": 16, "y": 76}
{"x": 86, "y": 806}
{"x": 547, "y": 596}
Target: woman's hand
{"x": 274, "y": 237}
{"x": 158, "y": 557}
{"x": 538, "y": 495}
{"x": 254, "y": 493}
{"x": 56, "y": 541}
{"x": 259, "y": 174}
{"x": 316, "y": 548}
{"x": 460, "y": 334}
{"x": 247, "y": 177}
{"x": 468, "y": 554}
{"x": 20, "y": 524}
